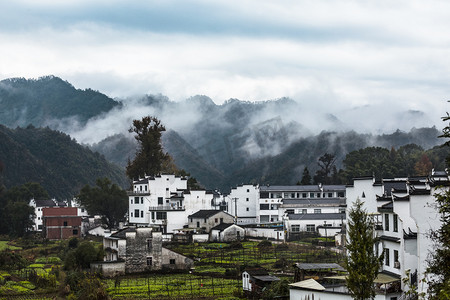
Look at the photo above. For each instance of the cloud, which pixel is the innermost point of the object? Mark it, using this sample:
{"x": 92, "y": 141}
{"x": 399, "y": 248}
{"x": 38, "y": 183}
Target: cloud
{"x": 339, "y": 57}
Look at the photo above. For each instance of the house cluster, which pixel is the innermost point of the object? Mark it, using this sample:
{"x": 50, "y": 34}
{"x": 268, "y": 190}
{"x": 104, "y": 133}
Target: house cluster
{"x": 162, "y": 208}
{"x": 404, "y": 214}
{"x": 274, "y": 212}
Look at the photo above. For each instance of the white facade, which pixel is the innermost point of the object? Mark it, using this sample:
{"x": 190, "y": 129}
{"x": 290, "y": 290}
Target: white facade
{"x": 164, "y": 201}
{"x": 404, "y": 212}
{"x": 242, "y": 203}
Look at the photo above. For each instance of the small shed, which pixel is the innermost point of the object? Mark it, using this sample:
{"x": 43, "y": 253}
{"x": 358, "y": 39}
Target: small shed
{"x": 255, "y": 280}
{"x": 227, "y": 233}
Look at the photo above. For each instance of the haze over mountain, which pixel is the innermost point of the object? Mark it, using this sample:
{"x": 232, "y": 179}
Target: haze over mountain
{"x": 220, "y": 145}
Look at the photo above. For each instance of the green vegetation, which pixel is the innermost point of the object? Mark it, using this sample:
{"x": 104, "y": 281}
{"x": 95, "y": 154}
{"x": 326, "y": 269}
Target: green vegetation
{"x": 105, "y": 199}
{"x": 362, "y": 262}
{"x": 52, "y": 159}
{"x": 5, "y": 245}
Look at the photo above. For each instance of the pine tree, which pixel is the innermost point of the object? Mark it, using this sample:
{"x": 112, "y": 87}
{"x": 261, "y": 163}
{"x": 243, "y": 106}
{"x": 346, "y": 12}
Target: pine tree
{"x": 439, "y": 286}
{"x": 306, "y": 177}
{"x": 150, "y": 157}
{"x": 362, "y": 262}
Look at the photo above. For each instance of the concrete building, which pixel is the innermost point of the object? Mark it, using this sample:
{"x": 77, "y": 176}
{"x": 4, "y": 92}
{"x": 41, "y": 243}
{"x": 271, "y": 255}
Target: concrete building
{"x": 61, "y": 223}
{"x": 243, "y": 203}
{"x": 165, "y": 202}
{"x": 226, "y": 233}
{"x": 136, "y": 250}
{"x": 204, "y": 220}
{"x": 404, "y": 214}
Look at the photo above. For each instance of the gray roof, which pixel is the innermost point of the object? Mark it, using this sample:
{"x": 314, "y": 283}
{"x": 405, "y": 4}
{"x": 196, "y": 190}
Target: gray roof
{"x": 300, "y": 188}
{"x": 121, "y": 234}
{"x": 222, "y": 226}
{"x": 206, "y": 213}
{"x": 325, "y": 216}
{"x": 266, "y": 278}
{"x": 318, "y": 266}
{"x": 45, "y": 203}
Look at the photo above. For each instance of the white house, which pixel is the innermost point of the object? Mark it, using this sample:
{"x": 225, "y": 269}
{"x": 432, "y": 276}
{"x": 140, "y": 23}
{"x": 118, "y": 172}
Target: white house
{"x": 405, "y": 213}
{"x": 242, "y": 203}
{"x": 165, "y": 202}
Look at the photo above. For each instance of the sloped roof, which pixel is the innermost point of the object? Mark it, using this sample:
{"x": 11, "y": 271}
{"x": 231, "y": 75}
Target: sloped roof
{"x": 309, "y": 284}
{"x": 319, "y": 266}
{"x": 222, "y": 226}
{"x": 121, "y": 234}
{"x": 205, "y": 213}
{"x": 301, "y": 188}
{"x": 45, "y": 203}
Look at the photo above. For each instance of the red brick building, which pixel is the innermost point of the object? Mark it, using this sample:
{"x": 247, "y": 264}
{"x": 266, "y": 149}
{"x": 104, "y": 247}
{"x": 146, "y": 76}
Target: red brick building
{"x": 61, "y": 223}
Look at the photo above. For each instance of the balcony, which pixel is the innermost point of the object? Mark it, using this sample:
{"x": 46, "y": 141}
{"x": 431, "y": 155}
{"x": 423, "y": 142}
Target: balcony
{"x": 138, "y": 193}
{"x": 166, "y": 208}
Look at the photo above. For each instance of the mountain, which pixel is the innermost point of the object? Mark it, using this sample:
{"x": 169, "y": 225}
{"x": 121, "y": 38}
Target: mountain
{"x": 49, "y": 101}
{"x": 221, "y": 145}
{"x": 53, "y": 159}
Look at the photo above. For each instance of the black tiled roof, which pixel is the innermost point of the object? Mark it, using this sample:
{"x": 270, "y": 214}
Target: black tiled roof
{"x": 221, "y": 226}
{"x": 205, "y": 213}
{"x": 45, "y": 203}
{"x": 121, "y": 234}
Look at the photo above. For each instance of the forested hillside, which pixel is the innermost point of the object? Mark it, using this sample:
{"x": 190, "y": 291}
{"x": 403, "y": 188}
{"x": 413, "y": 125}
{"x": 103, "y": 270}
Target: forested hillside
{"x": 53, "y": 159}
{"x": 49, "y": 101}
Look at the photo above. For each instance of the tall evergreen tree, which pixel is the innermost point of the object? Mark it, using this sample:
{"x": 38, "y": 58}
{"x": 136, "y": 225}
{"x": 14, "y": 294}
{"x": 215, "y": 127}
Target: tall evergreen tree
{"x": 362, "y": 262}
{"x": 150, "y": 157}
{"x": 439, "y": 286}
{"x": 306, "y": 177}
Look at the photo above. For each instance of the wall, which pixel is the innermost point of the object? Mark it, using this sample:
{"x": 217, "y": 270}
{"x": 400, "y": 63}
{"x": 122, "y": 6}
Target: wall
{"x": 179, "y": 261}
{"x": 266, "y": 233}
{"x": 243, "y": 202}
{"x": 109, "y": 269}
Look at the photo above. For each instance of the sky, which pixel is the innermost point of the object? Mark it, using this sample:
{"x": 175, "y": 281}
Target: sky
{"x": 333, "y": 56}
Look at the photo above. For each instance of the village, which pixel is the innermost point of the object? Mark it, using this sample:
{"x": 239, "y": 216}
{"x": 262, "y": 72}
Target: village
{"x": 163, "y": 211}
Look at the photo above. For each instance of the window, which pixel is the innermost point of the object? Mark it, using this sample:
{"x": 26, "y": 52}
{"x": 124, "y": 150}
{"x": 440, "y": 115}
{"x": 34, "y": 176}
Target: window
{"x": 330, "y": 195}
{"x": 140, "y": 188}
{"x": 341, "y": 194}
{"x": 142, "y": 200}
{"x": 295, "y": 228}
{"x": 136, "y": 200}
{"x": 395, "y": 223}
{"x": 247, "y": 209}
{"x": 142, "y": 213}
{"x": 317, "y": 211}
{"x": 342, "y": 210}
{"x": 311, "y": 195}
{"x": 145, "y": 188}
{"x": 248, "y": 191}
{"x": 160, "y": 201}
{"x": 247, "y": 199}
{"x": 221, "y": 220}
{"x": 292, "y": 195}
{"x": 198, "y": 224}
{"x": 172, "y": 261}
{"x": 289, "y": 211}
{"x": 304, "y": 195}
{"x": 264, "y": 206}
{"x": 386, "y": 257}
{"x": 153, "y": 215}
{"x": 318, "y": 195}
{"x": 161, "y": 215}
{"x": 310, "y": 227}
{"x": 386, "y": 222}
{"x": 136, "y": 213}
{"x": 75, "y": 232}
{"x": 65, "y": 223}
{"x": 264, "y": 218}
{"x": 131, "y": 214}
{"x": 167, "y": 189}
{"x": 149, "y": 261}
{"x": 131, "y": 201}
{"x": 216, "y": 220}
{"x": 304, "y": 211}
{"x": 39, "y": 218}
{"x": 395, "y": 258}
{"x": 363, "y": 195}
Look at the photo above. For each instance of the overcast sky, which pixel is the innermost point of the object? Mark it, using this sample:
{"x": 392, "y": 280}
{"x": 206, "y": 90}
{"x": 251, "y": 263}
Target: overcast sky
{"x": 334, "y": 55}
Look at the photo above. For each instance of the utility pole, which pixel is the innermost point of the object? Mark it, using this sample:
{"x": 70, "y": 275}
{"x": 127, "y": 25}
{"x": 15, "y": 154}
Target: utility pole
{"x": 235, "y": 209}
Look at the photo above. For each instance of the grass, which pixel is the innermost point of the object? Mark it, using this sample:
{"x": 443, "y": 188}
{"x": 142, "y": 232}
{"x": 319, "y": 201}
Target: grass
{"x": 4, "y": 245}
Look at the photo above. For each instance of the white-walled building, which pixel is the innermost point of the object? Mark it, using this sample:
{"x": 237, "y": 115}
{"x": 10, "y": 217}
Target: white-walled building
{"x": 242, "y": 203}
{"x": 405, "y": 213}
{"x": 165, "y": 202}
